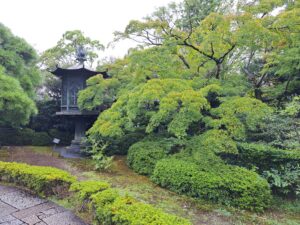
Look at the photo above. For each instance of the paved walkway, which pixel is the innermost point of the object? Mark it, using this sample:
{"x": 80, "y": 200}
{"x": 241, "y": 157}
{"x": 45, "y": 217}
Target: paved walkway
{"x": 19, "y": 208}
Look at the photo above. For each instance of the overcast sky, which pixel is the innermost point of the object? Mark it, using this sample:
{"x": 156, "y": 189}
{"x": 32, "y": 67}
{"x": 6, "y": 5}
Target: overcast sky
{"x": 42, "y": 22}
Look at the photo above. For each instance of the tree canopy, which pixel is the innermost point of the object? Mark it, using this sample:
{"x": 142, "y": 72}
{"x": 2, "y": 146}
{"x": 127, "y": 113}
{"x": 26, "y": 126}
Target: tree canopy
{"x": 19, "y": 77}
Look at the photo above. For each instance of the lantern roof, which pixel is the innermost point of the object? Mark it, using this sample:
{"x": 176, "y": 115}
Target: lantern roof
{"x": 77, "y": 69}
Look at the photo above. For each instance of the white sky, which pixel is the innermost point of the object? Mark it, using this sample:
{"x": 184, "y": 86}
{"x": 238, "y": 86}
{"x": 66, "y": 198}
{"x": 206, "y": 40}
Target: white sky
{"x": 42, "y": 22}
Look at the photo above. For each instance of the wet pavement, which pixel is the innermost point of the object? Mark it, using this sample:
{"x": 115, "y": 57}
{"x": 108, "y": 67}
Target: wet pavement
{"x": 20, "y": 208}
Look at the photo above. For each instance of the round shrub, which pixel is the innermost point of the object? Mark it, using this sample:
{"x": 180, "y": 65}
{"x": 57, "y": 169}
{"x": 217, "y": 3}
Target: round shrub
{"x": 229, "y": 185}
{"x": 41, "y": 139}
{"x": 142, "y": 156}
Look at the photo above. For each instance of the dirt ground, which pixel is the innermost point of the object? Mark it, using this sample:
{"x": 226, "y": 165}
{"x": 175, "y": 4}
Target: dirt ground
{"x": 120, "y": 176}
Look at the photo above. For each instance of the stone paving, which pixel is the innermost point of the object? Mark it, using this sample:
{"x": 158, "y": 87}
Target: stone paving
{"x": 20, "y": 208}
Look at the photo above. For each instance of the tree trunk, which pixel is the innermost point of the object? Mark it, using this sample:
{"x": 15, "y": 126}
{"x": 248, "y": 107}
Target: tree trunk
{"x": 218, "y": 70}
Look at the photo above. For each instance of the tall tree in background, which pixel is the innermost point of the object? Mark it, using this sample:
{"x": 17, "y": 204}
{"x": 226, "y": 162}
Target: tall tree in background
{"x": 19, "y": 78}
{"x": 64, "y": 52}
{"x": 19, "y": 60}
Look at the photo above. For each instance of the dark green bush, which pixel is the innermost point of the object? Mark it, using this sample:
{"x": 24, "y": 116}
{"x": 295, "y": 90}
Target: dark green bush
{"x": 279, "y": 167}
{"x": 230, "y": 185}
{"x": 143, "y": 156}
{"x": 41, "y": 139}
{"x": 40, "y": 179}
{"x": 121, "y": 145}
{"x": 265, "y": 157}
{"x": 24, "y": 136}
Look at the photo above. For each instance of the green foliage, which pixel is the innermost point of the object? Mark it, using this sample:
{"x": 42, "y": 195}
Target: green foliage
{"x": 109, "y": 207}
{"x": 24, "y": 136}
{"x": 217, "y": 141}
{"x": 114, "y": 209}
{"x": 43, "y": 180}
{"x": 279, "y": 167}
{"x": 278, "y": 130}
{"x": 85, "y": 189}
{"x": 96, "y": 148}
{"x": 64, "y": 53}
{"x": 239, "y": 114}
{"x": 128, "y": 211}
{"x": 285, "y": 180}
{"x": 143, "y": 155}
{"x": 41, "y": 139}
{"x": 98, "y": 91}
{"x": 225, "y": 184}
{"x": 265, "y": 157}
{"x": 15, "y": 106}
{"x": 19, "y": 58}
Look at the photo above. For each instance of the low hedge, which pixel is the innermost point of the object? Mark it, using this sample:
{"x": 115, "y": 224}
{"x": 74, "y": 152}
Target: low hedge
{"x": 24, "y": 136}
{"x": 143, "y": 156}
{"x": 84, "y": 189}
{"x": 40, "y": 179}
{"x": 229, "y": 185}
{"x": 109, "y": 207}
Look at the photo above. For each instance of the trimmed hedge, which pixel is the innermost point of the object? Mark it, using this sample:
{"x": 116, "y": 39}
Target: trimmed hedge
{"x": 109, "y": 207}
{"x": 24, "y": 136}
{"x": 143, "y": 156}
{"x": 40, "y": 179}
{"x": 85, "y": 189}
{"x": 229, "y": 185}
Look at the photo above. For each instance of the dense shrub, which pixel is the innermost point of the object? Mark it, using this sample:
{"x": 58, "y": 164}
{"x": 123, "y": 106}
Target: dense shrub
{"x": 85, "y": 189}
{"x": 143, "y": 156}
{"x": 221, "y": 183}
{"x": 284, "y": 180}
{"x": 279, "y": 167}
{"x": 120, "y": 146}
{"x": 24, "y": 136}
{"x": 41, "y": 139}
{"x": 43, "y": 180}
{"x": 265, "y": 157}
{"x": 109, "y": 207}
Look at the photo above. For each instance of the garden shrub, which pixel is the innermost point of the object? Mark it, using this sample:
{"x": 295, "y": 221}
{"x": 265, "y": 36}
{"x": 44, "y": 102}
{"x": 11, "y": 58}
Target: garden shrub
{"x": 111, "y": 208}
{"x": 265, "y": 157}
{"x": 279, "y": 167}
{"x": 143, "y": 156}
{"x": 40, "y": 179}
{"x": 128, "y": 211}
{"x": 85, "y": 189}
{"x": 229, "y": 185}
{"x": 24, "y": 136}
{"x": 120, "y": 146}
{"x": 41, "y": 139}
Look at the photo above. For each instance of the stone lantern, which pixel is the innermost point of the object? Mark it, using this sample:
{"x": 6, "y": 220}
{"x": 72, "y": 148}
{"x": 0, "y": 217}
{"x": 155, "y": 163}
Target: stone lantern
{"x": 73, "y": 80}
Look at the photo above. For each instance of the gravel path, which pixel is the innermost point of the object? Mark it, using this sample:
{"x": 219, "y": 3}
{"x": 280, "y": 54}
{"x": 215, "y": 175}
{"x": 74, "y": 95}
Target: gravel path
{"x": 20, "y": 208}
